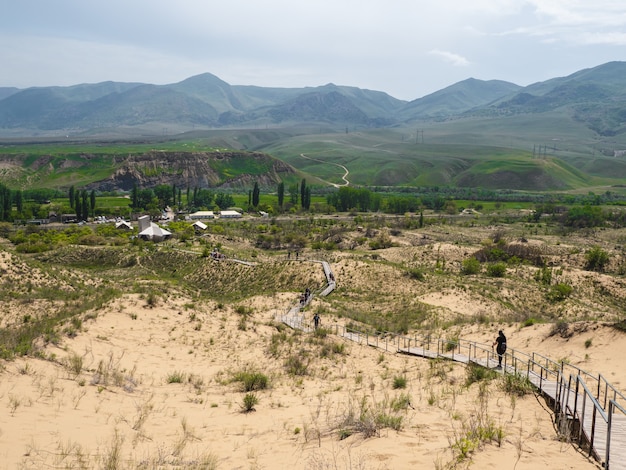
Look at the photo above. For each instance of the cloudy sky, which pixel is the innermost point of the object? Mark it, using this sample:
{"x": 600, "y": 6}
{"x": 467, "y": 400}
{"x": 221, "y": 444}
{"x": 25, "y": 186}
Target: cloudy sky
{"x": 407, "y": 48}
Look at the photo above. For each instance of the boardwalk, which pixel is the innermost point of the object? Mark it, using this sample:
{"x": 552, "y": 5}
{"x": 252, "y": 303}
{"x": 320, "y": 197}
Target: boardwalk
{"x": 587, "y": 407}
{"x": 596, "y": 417}
{"x": 294, "y": 317}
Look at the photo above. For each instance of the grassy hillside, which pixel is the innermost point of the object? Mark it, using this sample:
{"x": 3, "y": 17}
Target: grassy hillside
{"x": 98, "y": 166}
{"x": 536, "y": 152}
{"x": 520, "y": 154}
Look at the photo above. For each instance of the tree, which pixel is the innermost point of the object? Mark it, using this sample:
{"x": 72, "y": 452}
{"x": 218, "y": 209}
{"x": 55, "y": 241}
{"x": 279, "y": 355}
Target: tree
{"x": 224, "y": 200}
{"x": 134, "y": 197}
{"x": 293, "y": 193}
{"x": 596, "y": 258}
{"x": 85, "y": 204}
{"x": 303, "y": 192}
{"x": 306, "y": 199}
{"x": 76, "y": 205}
{"x": 72, "y": 196}
{"x": 163, "y": 192}
{"x": 5, "y": 202}
{"x": 92, "y": 202}
{"x": 19, "y": 201}
{"x": 281, "y": 194}
{"x": 256, "y": 193}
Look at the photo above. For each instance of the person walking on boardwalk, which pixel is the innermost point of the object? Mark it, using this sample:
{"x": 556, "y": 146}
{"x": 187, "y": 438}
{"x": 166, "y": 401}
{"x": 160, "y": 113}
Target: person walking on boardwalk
{"x": 501, "y": 347}
{"x": 316, "y": 320}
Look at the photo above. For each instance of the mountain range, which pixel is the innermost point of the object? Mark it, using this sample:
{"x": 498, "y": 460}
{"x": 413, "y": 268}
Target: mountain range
{"x": 595, "y": 97}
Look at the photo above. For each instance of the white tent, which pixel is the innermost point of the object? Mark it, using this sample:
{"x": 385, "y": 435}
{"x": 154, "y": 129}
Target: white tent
{"x": 199, "y": 225}
{"x": 154, "y": 233}
{"x": 123, "y": 225}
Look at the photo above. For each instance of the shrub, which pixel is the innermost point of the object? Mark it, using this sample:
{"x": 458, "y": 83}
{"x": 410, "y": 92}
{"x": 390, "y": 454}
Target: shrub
{"x": 544, "y": 276}
{"x": 176, "y": 377}
{"x": 477, "y": 373}
{"x": 529, "y": 322}
{"x": 516, "y": 384}
{"x": 559, "y": 292}
{"x": 415, "y": 273}
{"x": 560, "y": 328}
{"x": 470, "y": 266}
{"x": 251, "y": 381}
{"x": 399, "y": 381}
{"x": 596, "y": 258}
{"x": 496, "y": 269}
{"x": 401, "y": 403}
{"x": 250, "y": 400}
{"x": 296, "y": 366}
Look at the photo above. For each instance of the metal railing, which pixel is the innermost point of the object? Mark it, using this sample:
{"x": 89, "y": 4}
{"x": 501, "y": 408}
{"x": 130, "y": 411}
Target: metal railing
{"x": 589, "y": 409}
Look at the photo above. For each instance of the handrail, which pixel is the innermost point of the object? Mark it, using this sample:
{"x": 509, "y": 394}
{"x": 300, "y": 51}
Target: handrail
{"x": 519, "y": 362}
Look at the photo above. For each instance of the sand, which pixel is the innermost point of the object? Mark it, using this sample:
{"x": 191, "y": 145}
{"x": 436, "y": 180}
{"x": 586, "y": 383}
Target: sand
{"x": 121, "y": 412}
{"x": 151, "y": 386}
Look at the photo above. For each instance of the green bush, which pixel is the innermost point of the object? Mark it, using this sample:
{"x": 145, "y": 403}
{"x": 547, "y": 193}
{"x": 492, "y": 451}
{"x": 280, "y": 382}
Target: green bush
{"x": 415, "y": 273}
{"x": 559, "y": 292}
{"x": 516, "y": 384}
{"x": 250, "y": 400}
{"x": 470, "y": 266}
{"x": 176, "y": 377}
{"x": 496, "y": 269}
{"x": 251, "y": 381}
{"x": 596, "y": 259}
{"x": 296, "y": 366}
{"x": 544, "y": 276}
{"x": 399, "y": 381}
{"x": 477, "y": 373}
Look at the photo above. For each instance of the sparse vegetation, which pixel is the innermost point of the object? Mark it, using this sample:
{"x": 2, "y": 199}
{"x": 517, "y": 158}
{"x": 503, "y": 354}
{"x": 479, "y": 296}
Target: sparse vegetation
{"x": 399, "y": 381}
{"x": 211, "y": 307}
{"x": 250, "y": 400}
{"x": 251, "y": 380}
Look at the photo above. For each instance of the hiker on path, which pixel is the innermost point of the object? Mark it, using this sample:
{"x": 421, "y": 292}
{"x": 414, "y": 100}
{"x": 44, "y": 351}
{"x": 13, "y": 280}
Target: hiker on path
{"x": 316, "y": 320}
{"x": 500, "y": 348}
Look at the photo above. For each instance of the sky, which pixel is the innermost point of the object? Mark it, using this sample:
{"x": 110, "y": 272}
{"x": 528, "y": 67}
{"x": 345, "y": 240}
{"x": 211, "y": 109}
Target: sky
{"x": 406, "y": 48}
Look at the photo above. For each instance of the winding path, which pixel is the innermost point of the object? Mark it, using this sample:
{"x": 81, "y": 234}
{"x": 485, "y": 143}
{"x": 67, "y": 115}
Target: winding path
{"x": 344, "y": 177}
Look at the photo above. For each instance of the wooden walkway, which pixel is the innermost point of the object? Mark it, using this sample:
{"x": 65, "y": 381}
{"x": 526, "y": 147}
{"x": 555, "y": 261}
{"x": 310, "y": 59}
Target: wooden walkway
{"x": 294, "y": 317}
{"x": 589, "y": 422}
{"x": 591, "y": 410}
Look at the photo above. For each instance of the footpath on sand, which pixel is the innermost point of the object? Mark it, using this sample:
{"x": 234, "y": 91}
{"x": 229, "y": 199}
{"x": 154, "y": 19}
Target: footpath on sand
{"x": 589, "y": 406}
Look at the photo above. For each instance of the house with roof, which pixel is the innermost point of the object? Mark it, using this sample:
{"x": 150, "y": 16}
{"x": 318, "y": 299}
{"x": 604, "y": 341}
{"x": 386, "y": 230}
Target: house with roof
{"x": 229, "y": 215}
{"x": 202, "y": 215}
{"x": 148, "y": 230}
{"x": 199, "y": 226}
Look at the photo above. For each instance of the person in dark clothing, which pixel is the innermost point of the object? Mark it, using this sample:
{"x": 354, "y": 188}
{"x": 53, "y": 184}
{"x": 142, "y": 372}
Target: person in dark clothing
{"x": 316, "y": 320}
{"x": 501, "y": 347}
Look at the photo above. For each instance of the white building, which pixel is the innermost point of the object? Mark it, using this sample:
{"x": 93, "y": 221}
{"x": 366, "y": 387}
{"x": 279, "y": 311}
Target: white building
{"x": 150, "y": 231}
{"x": 202, "y": 215}
{"x": 230, "y": 214}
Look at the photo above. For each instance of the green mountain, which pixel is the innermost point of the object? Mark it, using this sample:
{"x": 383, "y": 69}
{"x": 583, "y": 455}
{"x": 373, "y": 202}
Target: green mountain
{"x": 562, "y": 134}
{"x": 458, "y": 98}
{"x": 595, "y": 97}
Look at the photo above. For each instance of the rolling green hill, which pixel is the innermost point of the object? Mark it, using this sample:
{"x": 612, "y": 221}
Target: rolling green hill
{"x": 564, "y": 133}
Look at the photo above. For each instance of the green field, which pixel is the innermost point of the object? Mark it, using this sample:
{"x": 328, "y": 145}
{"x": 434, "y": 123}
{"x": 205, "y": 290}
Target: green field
{"x": 539, "y": 152}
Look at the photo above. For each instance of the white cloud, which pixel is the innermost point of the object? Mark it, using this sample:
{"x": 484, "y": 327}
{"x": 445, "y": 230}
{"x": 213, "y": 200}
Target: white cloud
{"x": 378, "y": 44}
{"x": 450, "y": 57}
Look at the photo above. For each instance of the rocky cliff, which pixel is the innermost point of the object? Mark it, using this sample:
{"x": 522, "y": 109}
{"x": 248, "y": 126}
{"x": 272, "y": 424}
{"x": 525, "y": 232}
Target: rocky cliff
{"x": 229, "y": 169}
